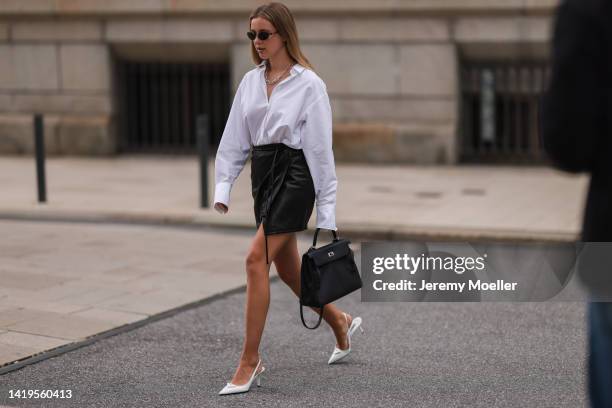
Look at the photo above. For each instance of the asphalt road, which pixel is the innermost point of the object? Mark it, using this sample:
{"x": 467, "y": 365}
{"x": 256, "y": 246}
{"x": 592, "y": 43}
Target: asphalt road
{"x": 411, "y": 354}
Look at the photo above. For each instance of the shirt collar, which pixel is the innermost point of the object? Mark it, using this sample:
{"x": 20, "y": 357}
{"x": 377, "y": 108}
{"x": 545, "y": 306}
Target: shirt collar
{"x": 297, "y": 68}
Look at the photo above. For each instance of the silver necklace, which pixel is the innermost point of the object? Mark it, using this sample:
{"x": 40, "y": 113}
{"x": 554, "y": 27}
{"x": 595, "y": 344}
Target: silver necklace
{"x": 275, "y": 80}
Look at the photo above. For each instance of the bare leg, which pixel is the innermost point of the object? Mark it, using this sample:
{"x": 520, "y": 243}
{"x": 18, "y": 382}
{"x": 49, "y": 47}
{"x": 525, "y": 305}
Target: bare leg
{"x": 258, "y": 300}
{"x": 288, "y": 263}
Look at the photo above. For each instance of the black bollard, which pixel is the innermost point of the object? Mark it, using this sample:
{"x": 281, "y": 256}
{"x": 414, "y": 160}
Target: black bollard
{"x": 39, "y": 146}
{"x": 203, "y": 143}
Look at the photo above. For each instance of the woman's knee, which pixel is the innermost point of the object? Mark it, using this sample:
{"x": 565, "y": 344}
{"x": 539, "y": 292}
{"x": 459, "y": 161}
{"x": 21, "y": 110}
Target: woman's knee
{"x": 255, "y": 261}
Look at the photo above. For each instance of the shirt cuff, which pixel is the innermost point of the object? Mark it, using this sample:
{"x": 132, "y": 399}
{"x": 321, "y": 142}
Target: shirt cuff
{"x": 326, "y": 216}
{"x": 222, "y": 193}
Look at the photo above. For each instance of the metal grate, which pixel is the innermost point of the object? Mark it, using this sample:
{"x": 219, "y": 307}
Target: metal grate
{"x": 499, "y": 112}
{"x": 159, "y": 103}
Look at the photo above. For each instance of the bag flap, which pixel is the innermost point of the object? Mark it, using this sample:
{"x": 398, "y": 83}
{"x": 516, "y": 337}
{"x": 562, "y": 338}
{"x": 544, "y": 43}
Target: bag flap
{"x": 329, "y": 252}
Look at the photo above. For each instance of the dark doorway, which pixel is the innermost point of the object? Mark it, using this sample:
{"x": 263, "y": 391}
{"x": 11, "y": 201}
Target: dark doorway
{"x": 158, "y": 104}
{"x": 499, "y": 112}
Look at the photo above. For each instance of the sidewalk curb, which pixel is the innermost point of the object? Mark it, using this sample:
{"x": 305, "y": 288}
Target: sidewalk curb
{"x": 46, "y": 354}
{"x": 362, "y": 231}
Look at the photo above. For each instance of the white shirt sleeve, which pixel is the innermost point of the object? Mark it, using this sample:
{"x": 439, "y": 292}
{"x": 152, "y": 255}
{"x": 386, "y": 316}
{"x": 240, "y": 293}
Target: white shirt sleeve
{"x": 233, "y": 150}
{"x": 317, "y": 146}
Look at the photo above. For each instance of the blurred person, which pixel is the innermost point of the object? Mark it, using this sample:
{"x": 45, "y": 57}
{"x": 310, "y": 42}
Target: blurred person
{"x": 281, "y": 114}
{"x": 576, "y": 134}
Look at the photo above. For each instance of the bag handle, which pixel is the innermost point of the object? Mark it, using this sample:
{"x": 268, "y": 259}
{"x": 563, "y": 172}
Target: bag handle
{"x": 314, "y": 240}
{"x": 302, "y": 317}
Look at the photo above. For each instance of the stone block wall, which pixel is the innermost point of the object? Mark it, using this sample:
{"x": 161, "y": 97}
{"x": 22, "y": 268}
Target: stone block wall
{"x": 62, "y": 69}
{"x": 391, "y": 68}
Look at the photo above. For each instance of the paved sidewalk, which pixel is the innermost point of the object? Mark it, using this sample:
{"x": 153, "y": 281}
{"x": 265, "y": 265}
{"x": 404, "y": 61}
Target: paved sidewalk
{"x": 382, "y": 202}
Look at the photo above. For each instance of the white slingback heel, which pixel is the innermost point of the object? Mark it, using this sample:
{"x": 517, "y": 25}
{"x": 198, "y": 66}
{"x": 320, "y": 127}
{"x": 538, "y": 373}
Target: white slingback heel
{"x": 235, "y": 389}
{"x": 339, "y": 354}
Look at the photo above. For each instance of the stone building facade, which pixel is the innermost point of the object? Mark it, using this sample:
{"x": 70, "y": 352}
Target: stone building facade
{"x": 391, "y": 67}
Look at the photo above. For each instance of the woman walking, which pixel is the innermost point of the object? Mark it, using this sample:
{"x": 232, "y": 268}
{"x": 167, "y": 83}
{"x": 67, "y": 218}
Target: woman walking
{"x": 281, "y": 115}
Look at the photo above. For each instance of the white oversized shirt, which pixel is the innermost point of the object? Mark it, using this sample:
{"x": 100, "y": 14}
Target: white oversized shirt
{"x": 297, "y": 114}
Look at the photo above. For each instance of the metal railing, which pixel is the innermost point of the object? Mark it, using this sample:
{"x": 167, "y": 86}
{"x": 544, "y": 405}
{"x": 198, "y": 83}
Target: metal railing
{"x": 158, "y": 104}
{"x": 499, "y": 111}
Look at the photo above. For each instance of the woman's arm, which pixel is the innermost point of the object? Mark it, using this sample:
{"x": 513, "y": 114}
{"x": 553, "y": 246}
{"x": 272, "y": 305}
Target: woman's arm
{"x": 317, "y": 145}
{"x": 233, "y": 150}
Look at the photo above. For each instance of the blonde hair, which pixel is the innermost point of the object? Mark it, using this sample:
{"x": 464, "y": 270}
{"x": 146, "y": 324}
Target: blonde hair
{"x": 281, "y": 18}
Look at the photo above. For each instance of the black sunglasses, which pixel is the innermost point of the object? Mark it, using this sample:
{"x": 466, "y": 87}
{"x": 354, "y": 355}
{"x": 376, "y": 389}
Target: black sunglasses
{"x": 263, "y": 35}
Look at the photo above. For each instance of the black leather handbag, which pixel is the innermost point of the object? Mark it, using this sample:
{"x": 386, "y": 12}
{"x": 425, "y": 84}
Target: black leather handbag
{"x": 328, "y": 273}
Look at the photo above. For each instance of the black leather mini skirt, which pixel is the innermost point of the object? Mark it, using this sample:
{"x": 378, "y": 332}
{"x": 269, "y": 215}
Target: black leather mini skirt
{"x": 282, "y": 187}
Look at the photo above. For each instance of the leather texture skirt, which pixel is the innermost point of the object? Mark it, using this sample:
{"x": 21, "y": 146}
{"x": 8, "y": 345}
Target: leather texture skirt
{"x": 282, "y": 188}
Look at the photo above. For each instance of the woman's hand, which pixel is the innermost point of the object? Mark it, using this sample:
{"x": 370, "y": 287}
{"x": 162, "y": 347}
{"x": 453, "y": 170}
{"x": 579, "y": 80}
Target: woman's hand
{"x": 221, "y": 208}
